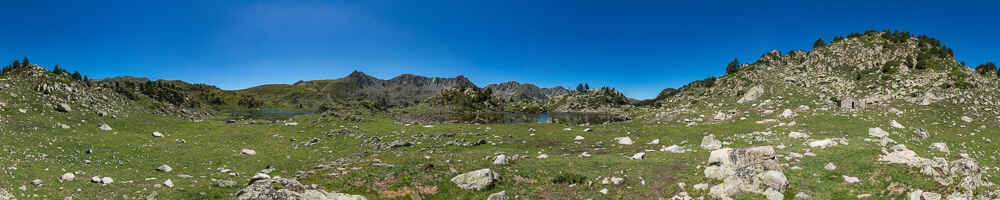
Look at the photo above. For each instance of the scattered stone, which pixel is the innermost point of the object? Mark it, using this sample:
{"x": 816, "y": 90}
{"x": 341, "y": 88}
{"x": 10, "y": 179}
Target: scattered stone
{"x": 248, "y": 152}
{"x": 105, "y": 127}
{"x": 788, "y": 113}
{"x": 802, "y": 195}
{"x": 940, "y": 146}
{"x": 500, "y": 160}
{"x": 259, "y": 176}
{"x": 967, "y": 119}
{"x": 476, "y": 180}
{"x": 107, "y": 180}
{"x": 4, "y": 195}
{"x": 604, "y": 191}
{"x": 67, "y": 177}
{"x": 169, "y": 183}
{"x": 157, "y": 134}
{"x": 877, "y": 132}
{"x": 62, "y": 107}
{"x": 543, "y": 156}
{"x": 399, "y": 143}
{"x": 165, "y": 168}
{"x": 502, "y": 195}
{"x": 223, "y": 183}
{"x": 638, "y": 156}
{"x": 865, "y": 196}
{"x": 895, "y": 124}
{"x": 62, "y": 126}
{"x": 36, "y": 182}
{"x": 655, "y": 141}
{"x": 674, "y": 149}
{"x": 578, "y": 137}
{"x": 96, "y": 179}
{"x": 830, "y": 166}
{"x": 829, "y": 142}
{"x": 798, "y": 135}
{"x": 587, "y": 130}
{"x": 710, "y": 143}
{"x": 851, "y": 179}
{"x": 624, "y": 140}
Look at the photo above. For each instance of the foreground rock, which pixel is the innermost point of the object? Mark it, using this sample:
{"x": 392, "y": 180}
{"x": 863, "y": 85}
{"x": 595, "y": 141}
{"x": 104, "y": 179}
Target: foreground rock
{"x": 743, "y": 170}
{"x": 710, "y": 143}
{"x": 476, "y": 180}
{"x": 286, "y": 189}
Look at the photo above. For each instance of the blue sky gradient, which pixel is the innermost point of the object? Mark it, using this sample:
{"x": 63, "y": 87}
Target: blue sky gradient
{"x": 639, "y": 47}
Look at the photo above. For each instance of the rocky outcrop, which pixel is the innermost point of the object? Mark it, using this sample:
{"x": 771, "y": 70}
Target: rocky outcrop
{"x": 742, "y": 170}
{"x": 476, "y": 180}
{"x": 287, "y": 189}
{"x": 514, "y": 91}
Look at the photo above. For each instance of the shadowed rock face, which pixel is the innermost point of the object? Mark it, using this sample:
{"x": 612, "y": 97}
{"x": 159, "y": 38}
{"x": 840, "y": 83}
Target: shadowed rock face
{"x": 404, "y": 89}
{"x": 514, "y": 91}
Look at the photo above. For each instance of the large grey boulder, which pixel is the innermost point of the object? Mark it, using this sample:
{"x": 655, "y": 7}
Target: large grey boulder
{"x": 751, "y": 94}
{"x": 502, "y": 195}
{"x": 476, "y": 180}
{"x": 742, "y": 170}
{"x": 287, "y": 189}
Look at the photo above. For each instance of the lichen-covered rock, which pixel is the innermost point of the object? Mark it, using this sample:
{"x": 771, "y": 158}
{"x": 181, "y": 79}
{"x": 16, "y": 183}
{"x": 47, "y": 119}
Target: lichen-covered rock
{"x": 753, "y": 169}
{"x": 287, "y": 189}
{"x": 476, "y": 180}
{"x": 751, "y": 94}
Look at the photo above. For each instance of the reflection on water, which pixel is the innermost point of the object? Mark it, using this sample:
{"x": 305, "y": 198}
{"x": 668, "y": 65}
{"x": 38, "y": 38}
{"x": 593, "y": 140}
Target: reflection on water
{"x": 267, "y": 114}
{"x": 510, "y": 118}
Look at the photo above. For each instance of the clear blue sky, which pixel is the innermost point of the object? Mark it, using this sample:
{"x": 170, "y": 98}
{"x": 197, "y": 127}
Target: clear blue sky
{"x": 639, "y": 47}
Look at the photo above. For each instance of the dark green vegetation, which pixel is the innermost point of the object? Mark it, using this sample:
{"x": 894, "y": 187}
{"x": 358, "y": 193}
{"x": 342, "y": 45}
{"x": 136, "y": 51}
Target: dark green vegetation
{"x": 350, "y": 141}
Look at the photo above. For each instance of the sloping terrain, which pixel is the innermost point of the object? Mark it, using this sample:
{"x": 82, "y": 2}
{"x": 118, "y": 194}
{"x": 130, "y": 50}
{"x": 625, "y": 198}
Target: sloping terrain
{"x": 868, "y": 116}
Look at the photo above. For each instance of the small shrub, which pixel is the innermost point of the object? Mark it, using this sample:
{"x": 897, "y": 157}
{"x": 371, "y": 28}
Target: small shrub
{"x": 569, "y": 178}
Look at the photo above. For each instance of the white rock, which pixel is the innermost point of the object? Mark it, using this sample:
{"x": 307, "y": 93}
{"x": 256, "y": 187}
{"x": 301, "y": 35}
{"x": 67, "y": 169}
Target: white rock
{"x": 543, "y": 156}
{"x": 587, "y": 130}
{"x": 896, "y": 124}
{"x": 787, "y": 114}
{"x": 624, "y": 140}
{"x": 169, "y": 183}
{"x": 655, "y": 141}
{"x": 578, "y": 137}
{"x": 638, "y": 156}
{"x": 830, "y": 166}
{"x": 248, "y": 152}
{"x": 798, "y": 135}
{"x": 829, "y": 142}
{"x": 96, "y": 179}
{"x": 674, "y": 149}
{"x": 940, "y": 146}
{"x": 157, "y": 134}
{"x": 36, "y": 182}
{"x": 932, "y": 196}
{"x": 851, "y": 179}
{"x": 260, "y": 176}
{"x": 500, "y": 159}
{"x": 710, "y": 143}
{"x": 63, "y": 126}
{"x": 67, "y": 177}
{"x": 107, "y": 180}
{"x": 604, "y": 191}
{"x": 877, "y": 132}
{"x": 584, "y": 155}
{"x": 165, "y": 168}
{"x": 967, "y": 119}
{"x": 294, "y": 124}
{"x": 105, "y": 127}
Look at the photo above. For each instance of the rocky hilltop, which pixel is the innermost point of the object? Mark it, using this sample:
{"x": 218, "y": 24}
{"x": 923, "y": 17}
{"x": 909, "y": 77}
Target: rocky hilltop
{"x": 514, "y": 91}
